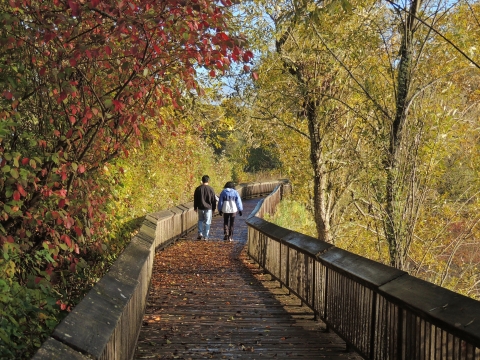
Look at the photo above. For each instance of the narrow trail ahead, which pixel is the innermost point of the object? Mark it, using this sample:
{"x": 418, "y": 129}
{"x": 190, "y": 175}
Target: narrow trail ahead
{"x": 207, "y": 300}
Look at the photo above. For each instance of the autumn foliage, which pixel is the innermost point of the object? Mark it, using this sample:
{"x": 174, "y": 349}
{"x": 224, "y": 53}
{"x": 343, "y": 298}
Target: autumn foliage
{"x": 78, "y": 81}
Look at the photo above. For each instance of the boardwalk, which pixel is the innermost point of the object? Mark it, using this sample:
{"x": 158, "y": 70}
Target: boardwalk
{"x": 208, "y": 301}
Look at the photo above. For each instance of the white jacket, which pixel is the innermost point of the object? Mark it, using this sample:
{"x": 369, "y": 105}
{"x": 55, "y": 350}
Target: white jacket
{"x": 229, "y": 201}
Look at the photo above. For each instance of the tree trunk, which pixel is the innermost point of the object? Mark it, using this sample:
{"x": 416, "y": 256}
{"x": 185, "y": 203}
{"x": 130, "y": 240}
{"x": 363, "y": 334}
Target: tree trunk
{"x": 395, "y": 226}
{"x": 320, "y": 195}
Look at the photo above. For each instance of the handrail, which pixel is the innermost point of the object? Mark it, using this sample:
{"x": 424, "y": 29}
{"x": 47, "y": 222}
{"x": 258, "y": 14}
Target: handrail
{"x": 106, "y": 323}
{"x": 381, "y": 312}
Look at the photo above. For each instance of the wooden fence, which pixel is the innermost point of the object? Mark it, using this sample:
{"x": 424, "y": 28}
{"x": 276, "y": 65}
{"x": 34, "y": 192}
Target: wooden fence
{"x": 381, "y": 312}
{"x": 106, "y": 323}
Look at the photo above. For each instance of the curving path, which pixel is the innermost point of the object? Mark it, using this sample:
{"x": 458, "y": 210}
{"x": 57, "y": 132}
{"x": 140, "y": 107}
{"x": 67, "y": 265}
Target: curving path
{"x": 208, "y": 301}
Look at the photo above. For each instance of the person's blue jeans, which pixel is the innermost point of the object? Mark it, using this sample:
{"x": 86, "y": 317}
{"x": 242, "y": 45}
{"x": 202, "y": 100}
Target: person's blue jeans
{"x": 204, "y": 222}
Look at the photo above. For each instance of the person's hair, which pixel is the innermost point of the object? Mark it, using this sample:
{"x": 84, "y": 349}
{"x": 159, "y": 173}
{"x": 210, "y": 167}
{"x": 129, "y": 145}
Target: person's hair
{"x": 205, "y": 179}
{"x": 230, "y": 184}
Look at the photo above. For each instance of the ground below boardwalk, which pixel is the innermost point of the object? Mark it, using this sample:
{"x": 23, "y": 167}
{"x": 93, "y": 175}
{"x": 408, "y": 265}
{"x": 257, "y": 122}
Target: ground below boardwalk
{"x": 208, "y": 301}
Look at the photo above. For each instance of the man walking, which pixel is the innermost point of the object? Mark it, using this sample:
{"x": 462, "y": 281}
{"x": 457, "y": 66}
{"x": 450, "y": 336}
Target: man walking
{"x": 204, "y": 203}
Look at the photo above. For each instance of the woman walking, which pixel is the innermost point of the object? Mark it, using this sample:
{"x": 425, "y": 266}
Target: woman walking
{"x": 228, "y": 204}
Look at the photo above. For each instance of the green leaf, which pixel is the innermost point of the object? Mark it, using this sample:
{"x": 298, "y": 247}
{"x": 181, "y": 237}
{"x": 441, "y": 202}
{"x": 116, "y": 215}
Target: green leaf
{"x": 55, "y": 159}
{"x": 14, "y": 173}
{"x": 108, "y": 103}
{"x": 347, "y": 6}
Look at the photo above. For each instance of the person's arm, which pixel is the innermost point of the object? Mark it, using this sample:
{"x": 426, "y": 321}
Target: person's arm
{"x": 214, "y": 201}
{"x": 238, "y": 200}
{"x": 220, "y": 203}
{"x": 195, "y": 200}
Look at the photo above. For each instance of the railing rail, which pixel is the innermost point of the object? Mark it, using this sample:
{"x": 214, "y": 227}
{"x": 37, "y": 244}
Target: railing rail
{"x": 106, "y": 323}
{"x": 381, "y": 312}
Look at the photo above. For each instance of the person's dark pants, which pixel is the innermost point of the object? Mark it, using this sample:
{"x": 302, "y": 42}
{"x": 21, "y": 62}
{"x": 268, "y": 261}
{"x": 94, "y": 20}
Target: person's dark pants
{"x": 228, "y": 224}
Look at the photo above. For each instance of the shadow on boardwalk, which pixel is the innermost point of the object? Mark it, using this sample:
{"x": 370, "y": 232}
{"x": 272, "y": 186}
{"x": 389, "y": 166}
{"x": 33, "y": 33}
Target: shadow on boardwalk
{"x": 208, "y": 301}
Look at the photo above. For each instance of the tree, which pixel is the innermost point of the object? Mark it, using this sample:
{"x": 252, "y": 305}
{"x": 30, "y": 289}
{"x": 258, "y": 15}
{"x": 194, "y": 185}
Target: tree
{"x": 78, "y": 81}
{"x": 305, "y": 91}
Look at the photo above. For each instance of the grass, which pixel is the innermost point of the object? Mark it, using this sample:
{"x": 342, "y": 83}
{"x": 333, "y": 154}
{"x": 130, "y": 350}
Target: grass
{"x": 294, "y": 216}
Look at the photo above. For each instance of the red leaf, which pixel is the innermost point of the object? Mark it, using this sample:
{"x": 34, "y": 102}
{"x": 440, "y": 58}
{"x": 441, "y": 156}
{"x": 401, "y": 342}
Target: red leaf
{"x": 16, "y": 195}
{"x": 25, "y": 161}
{"x": 108, "y": 50}
{"x": 212, "y": 73}
{"x": 48, "y": 36}
{"x": 255, "y": 76}
{"x": 78, "y": 231}
{"x": 66, "y": 239}
{"x": 8, "y": 95}
{"x": 21, "y": 190}
{"x": 81, "y": 169}
{"x": 75, "y": 7}
{"x": 247, "y": 55}
{"x": 223, "y": 36}
{"x": 73, "y": 62}
{"x": 69, "y": 222}
{"x": 61, "y": 203}
{"x": 118, "y": 105}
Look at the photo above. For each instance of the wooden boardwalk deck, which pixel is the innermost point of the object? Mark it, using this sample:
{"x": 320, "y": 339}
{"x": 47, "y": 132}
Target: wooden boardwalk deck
{"x": 208, "y": 301}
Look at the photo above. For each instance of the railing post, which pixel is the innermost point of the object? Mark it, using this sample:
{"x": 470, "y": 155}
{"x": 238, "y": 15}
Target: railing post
{"x": 314, "y": 286}
{"x": 373, "y": 322}
{"x": 287, "y": 274}
{"x": 280, "y": 266}
{"x": 327, "y": 272}
{"x": 400, "y": 334}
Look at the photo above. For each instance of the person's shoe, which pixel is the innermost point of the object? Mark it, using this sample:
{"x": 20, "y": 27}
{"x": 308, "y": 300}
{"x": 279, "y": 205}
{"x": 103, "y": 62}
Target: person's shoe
{"x": 225, "y": 237}
{"x": 205, "y": 238}
{"x": 200, "y": 237}
{"x": 230, "y": 238}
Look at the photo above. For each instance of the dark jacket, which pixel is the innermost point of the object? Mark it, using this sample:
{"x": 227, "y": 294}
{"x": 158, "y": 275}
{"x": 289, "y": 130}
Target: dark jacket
{"x": 204, "y": 198}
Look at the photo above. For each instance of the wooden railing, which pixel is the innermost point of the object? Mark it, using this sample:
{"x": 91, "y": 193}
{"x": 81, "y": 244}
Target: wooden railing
{"x": 381, "y": 312}
{"x": 106, "y": 323}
